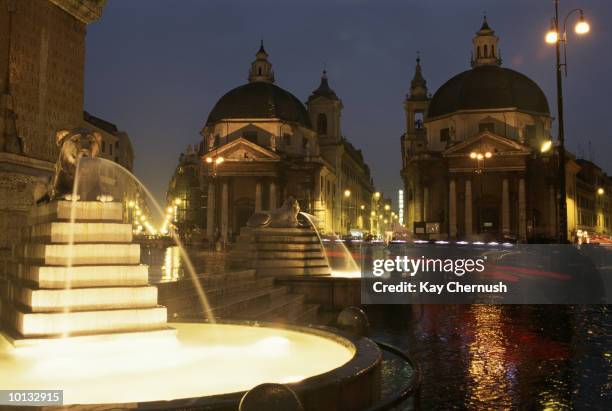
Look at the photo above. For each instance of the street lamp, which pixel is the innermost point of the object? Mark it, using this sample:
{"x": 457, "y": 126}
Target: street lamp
{"x": 554, "y": 36}
{"x": 600, "y": 191}
{"x": 546, "y": 146}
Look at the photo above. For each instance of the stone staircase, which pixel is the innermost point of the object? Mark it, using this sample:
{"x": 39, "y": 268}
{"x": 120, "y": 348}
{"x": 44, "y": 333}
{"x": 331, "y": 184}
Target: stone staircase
{"x": 105, "y": 289}
{"x": 236, "y": 295}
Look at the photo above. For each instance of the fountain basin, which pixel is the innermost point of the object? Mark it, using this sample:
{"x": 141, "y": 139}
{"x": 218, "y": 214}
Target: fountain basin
{"x": 201, "y": 365}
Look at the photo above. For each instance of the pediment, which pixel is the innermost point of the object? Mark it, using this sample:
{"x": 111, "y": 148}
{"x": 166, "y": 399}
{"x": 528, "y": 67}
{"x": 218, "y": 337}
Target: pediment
{"x": 486, "y": 141}
{"x": 245, "y": 150}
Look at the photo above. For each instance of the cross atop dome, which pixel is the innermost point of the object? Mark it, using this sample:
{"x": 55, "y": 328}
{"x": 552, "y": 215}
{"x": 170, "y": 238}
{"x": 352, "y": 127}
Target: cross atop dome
{"x": 485, "y": 42}
{"x": 261, "y": 68}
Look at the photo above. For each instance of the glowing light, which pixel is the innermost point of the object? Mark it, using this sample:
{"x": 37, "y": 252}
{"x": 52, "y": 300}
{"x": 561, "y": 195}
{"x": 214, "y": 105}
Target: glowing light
{"x": 479, "y": 156}
{"x": 209, "y": 160}
{"x": 377, "y": 195}
{"x": 582, "y": 27}
{"x": 552, "y": 37}
{"x": 200, "y": 360}
{"x": 177, "y": 201}
{"x": 143, "y": 218}
{"x": 138, "y": 212}
{"x": 219, "y": 160}
{"x": 347, "y": 193}
{"x": 600, "y": 191}
{"x": 373, "y": 213}
{"x": 170, "y": 209}
{"x": 362, "y": 207}
{"x": 473, "y": 155}
{"x": 131, "y": 204}
{"x": 546, "y": 146}
{"x": 488, "y": 154}
{"x": 387, "y": 207}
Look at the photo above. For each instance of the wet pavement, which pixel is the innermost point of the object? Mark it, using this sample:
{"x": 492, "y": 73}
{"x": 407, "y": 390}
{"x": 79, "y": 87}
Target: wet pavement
{"x": 503, "y": 357}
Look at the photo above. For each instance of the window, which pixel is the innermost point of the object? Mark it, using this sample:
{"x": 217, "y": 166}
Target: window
{"x": 486, "y": 127}
{"x": 110, "y": 149}
{"x": 485, "y": 51}
{"x": 418, "y": 120}
{"x": 217, "y": 140}
{"x": 322, "y": 124}
{"x": 445, "y": 135}
{"x": 259, "y": 71}
{"x": 304, "y": 142}
{"x": 116, "y": 145}
{"x": 104, "y": 146}
{"x": 478, "y": 52}
{"x": 287, "y": 139}
{"x": 251, "y": 136}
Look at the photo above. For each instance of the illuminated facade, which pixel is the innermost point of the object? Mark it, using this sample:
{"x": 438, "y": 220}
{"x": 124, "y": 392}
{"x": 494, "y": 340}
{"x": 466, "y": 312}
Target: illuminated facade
{"x": 477, "y": 158}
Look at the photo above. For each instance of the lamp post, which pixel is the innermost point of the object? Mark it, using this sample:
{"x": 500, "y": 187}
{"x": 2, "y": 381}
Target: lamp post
{"x": 555, "y": 37}
{"x": 213, "y": 161}
{"x": 346, "y": 194}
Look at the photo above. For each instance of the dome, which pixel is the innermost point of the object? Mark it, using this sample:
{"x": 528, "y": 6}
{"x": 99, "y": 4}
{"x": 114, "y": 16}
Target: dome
{"x": 488, "y": 87}
{"x": 259, "y": 99}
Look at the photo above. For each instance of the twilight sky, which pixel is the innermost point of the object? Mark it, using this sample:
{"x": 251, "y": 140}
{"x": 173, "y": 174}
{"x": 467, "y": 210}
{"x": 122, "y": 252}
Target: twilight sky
{"x": 156, "y": 67}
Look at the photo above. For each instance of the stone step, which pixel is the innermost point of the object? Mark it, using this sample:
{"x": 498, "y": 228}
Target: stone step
{"x": 247, "y": 301}
{"x": 88, "y": 322}
{"x": 183, "y": 301}
{"x": 84, "y": 299}
{"x": 295, "y": 313}
{"x": 277, "y": 307}
{"x": 291, "y": 263}
{"x": 79, "y": 254}
{"x": 268, "y": 254}
{"x": 285, "y": 271}
{"x": 83, "y": 211}
{"x": 65, "y": 232}
{"x": 83, "y": 276}
{"x": 286, "y": 239}
{"x": 246, "y": 231}
{"x": 230, "y": 277}
{"x": 276, "y": 247}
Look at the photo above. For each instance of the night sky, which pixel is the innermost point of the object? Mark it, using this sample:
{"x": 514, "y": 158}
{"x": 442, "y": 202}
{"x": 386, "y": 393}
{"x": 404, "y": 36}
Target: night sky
{"x": 156, "y": 67}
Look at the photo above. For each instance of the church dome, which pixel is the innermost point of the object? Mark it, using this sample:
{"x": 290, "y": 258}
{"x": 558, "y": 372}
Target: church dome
{"x": 488, "y": 87}
{"x": 259, "y": 99}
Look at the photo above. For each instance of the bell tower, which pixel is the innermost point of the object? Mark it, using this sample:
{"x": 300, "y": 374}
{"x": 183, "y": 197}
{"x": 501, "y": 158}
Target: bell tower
{"x": 325, "y": 109}
{"x": 486, "y": 52}
{"x": 415, "y": 106}
{"x": 261, "y": 68}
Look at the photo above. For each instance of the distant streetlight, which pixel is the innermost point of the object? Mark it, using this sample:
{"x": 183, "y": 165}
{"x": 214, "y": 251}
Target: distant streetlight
{"x": 546, "y": 146}
{"x": 347, "y": 193}
{"x": 377, "y": 195}
{"x": 600, "y": 191}
{"x": 362, "y": 207}
{"x": 387, "y": 207}
{"x": 556, "y": 37}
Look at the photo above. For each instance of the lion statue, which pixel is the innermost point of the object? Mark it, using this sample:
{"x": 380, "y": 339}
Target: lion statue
{"x": 77, "y": 145}
{"x": 284, "y": 217}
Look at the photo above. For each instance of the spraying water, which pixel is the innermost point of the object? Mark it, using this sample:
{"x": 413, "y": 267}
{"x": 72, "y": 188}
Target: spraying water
{"x": 206, "y": 309}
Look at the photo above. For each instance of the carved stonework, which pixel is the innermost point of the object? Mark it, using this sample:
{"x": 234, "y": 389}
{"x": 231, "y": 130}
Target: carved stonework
{"x": 86, "y": 11}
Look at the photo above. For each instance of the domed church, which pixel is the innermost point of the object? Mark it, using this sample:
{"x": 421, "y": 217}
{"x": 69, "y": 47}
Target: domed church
{"x": 261, "y": 144}
{"x": 473, "y": 168}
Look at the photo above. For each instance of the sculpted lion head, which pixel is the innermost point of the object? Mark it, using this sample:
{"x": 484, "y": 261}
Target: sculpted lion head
{"x": 77, "y": 143}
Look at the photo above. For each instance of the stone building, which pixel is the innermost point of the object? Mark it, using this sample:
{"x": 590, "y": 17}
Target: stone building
{"x": 116, "y": 145}
{"x": 473, "y": 165}
{"x": 42, "y": 57}
{"x": 593, "y": 205}
{"x": 261, "y": 144}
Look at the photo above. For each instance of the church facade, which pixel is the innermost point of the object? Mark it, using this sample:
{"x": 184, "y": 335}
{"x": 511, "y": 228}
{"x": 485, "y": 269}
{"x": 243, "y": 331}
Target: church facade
{"x": 477, "y": 157}
{"x": 260, "y": 145}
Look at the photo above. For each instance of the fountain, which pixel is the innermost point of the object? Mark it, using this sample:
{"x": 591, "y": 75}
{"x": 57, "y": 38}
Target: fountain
{"x": 78, "y": 315}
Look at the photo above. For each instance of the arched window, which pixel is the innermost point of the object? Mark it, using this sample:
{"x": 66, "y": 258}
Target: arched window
{"x": 492, "y": 50}
{"x": 322, "y": 124}
{"x": 259, "y": 71}
{"x": 485, "y": 51}
{"x": 478, "y": 52}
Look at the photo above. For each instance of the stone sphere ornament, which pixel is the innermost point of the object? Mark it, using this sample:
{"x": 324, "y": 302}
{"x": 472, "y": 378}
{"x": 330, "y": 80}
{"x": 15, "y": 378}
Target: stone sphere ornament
{"x": 270, "y": 397}
{"x": 354, "y": 320}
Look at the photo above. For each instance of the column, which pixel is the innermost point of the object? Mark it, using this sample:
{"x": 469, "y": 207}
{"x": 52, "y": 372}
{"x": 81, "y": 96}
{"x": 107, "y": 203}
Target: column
{"x": 210, "y": 212}
{"x": 505, "y": 207}
{"x": 425, "y": 203}
{"x": 552, "y": 211}
{"x": 452, "y": 209}
{"x": 468, "y": 208}
{"x": 273, "y": 205}
{"x": 418, "y": 202}
{"x": 257, "y": 196}
{"x": 522, "y": 214}
{"x": 224, "y": 210}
